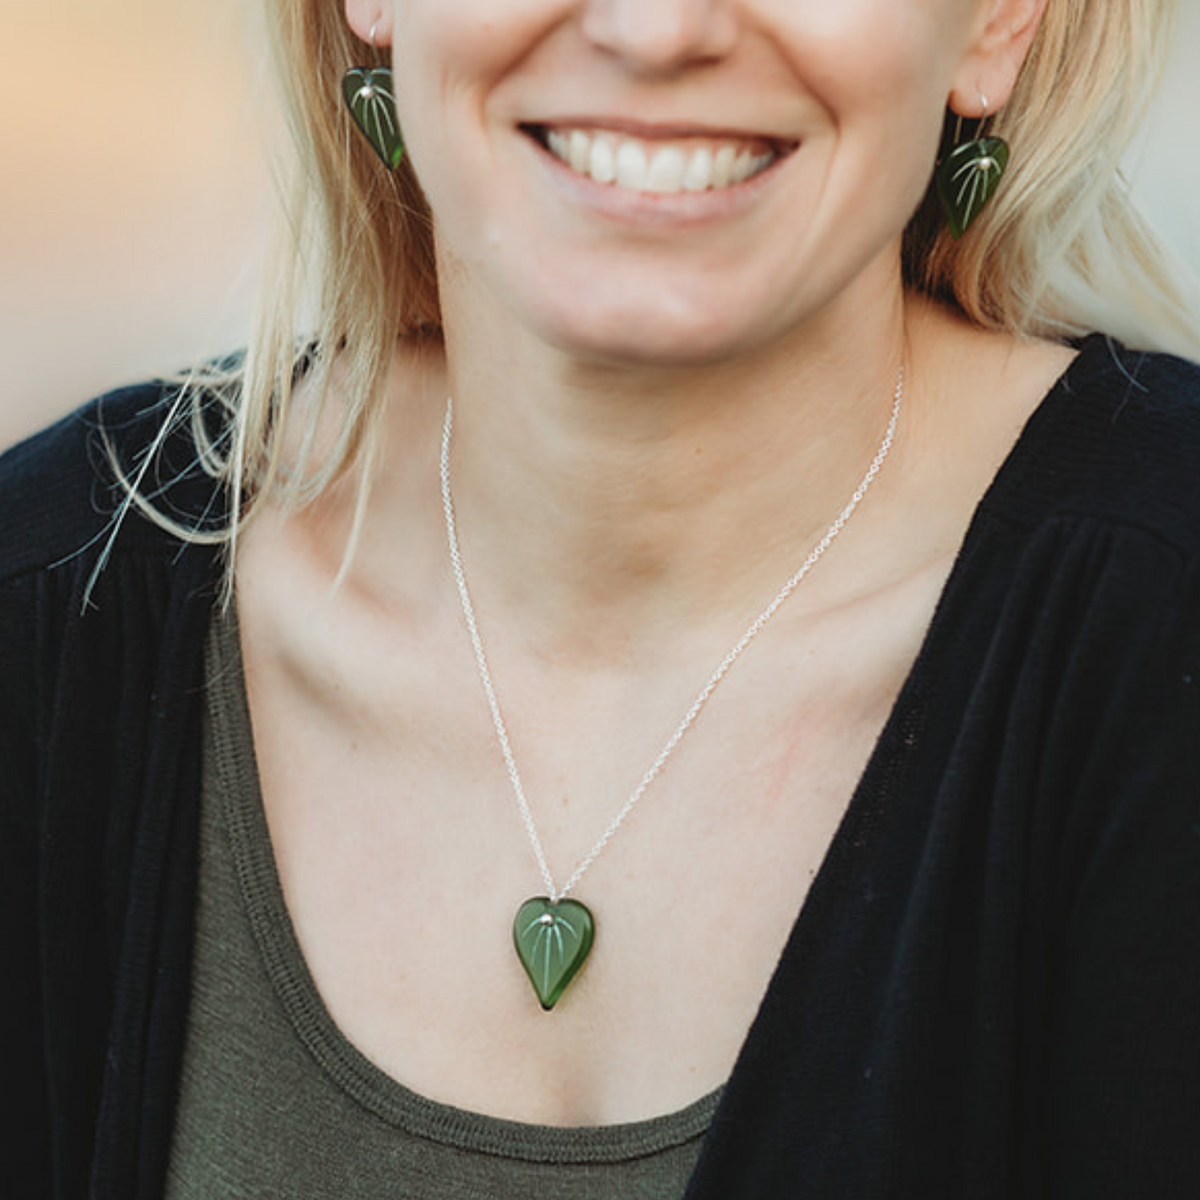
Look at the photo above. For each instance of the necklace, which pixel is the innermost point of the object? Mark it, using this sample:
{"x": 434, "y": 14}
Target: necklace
{"x": 553, "y": 934}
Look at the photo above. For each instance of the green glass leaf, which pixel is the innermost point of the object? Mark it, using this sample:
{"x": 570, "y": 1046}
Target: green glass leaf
{"x": 552, "y": 942}
{"x": 371, "y": 98}
{"x": 967, "y": 179}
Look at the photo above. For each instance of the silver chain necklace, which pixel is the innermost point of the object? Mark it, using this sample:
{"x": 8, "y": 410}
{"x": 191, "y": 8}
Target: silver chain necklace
{"x": 553, "y": 934}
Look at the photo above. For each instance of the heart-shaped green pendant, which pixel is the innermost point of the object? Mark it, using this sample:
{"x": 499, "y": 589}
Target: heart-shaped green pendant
{"x": 552, "y": 942}
{"x": 967, "y": 179}
{"x": 371, "y": 99}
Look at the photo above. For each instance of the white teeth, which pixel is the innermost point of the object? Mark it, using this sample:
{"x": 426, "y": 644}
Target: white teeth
{"x": 723, "y": 166}
{"x": 602, "y": 167}
{"x": 631, "y": 166}
{"x": 744, "y": 167}
{"x": 667, "y": 170}
{"x": 648, "y": 167}
{"x": 581, "y": 151}
{"x": 698, "y": 173}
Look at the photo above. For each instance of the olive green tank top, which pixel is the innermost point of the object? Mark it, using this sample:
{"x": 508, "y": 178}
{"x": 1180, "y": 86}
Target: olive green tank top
{"x": 275, "y": 1102}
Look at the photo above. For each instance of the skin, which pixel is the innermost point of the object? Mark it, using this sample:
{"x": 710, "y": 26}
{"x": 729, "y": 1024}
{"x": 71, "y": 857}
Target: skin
{"x": 661, "y": 404}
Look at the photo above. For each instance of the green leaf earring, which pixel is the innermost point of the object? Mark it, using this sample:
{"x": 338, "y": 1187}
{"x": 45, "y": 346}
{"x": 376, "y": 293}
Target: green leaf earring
{"x": 370, "y": 96}
{"x": 967, "y": 178}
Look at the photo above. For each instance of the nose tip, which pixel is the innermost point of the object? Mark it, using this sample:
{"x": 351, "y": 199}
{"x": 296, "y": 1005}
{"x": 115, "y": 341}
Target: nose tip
{"x": 661, "y": 36}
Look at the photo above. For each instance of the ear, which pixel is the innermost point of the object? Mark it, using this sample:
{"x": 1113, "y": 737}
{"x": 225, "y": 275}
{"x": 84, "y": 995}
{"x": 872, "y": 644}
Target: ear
{"x": 371, "y": 20}
{"x": 1004, "y": 31}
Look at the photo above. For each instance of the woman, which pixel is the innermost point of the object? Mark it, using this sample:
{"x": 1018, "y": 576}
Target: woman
{"x": 903, "y": 904}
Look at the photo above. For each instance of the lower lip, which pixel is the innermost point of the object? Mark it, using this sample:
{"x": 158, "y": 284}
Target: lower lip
{"x": 656, "y": 209}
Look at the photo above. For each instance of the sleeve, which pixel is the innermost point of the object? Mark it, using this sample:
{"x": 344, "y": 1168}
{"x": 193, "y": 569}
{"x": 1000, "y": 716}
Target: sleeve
{"x": 1122, "y": 1084}
{"x": 24, "y": 1113}
{"x": 99, "y": 781}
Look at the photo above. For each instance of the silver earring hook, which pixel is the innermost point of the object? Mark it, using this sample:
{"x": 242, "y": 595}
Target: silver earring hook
{"x": 373, "y": 29}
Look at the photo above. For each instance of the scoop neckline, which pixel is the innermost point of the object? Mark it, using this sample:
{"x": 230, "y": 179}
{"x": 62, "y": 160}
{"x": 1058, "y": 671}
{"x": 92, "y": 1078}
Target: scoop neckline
{"x": 244, "y": 818}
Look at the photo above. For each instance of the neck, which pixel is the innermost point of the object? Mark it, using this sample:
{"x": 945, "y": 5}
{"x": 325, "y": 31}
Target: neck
{"x": 603, "y": 505}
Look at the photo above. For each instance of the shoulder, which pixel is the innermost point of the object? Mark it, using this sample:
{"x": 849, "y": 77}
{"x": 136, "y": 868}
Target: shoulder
{"x": 1143, "y": 394}
{"x": 61, "y": 495}
{"x": 88, "y": 582}
{"x": 102, "y": 609}
{"x": 1117, "y": 441}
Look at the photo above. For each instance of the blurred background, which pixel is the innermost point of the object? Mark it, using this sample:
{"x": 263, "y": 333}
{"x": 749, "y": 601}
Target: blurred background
{"x": 135, "y": 196}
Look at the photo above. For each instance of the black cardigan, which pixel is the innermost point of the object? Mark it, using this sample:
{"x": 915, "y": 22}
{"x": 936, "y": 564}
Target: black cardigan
{"x": 993, "y": 989}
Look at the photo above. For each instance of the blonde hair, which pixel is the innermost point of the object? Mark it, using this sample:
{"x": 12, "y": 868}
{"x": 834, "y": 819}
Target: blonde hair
{"x": 1060, "y": 251}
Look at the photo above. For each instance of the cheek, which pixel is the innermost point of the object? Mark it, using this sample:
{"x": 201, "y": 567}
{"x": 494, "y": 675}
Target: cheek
{"x": 884, "y": 63}
{"x": 449, "y": 57}
{"x": 451, "y": 42}
{"x": 880, "y": 71}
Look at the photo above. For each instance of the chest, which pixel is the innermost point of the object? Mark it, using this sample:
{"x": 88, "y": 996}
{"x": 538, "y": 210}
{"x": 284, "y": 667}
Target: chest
{"x": 404, "y": 859}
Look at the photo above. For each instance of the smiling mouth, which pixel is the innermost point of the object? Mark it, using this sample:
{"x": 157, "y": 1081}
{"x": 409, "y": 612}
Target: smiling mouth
{"x": 666, "y": 166}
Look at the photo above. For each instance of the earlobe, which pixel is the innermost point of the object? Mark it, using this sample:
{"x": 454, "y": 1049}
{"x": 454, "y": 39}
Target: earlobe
{"x": 371, "y": 21}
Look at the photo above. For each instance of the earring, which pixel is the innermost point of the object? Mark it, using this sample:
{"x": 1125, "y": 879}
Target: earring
{"x": 371, "y": 98}
{"x": 968, "y": 176}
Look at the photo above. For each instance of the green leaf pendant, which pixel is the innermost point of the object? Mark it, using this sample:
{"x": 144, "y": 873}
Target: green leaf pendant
{"x": 552, "y": 941}
{"x": 967, "y": 179}
{"x": 371, "y": 99}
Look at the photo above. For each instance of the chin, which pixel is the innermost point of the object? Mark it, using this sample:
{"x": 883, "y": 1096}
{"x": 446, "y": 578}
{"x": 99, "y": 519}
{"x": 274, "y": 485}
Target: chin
{"x": 653, "y": 335}
{"x": 630, "y": 346}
